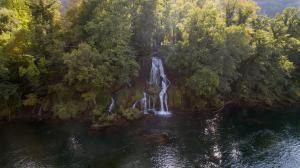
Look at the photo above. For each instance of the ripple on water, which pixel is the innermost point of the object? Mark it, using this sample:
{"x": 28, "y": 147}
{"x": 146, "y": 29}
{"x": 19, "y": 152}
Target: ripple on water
{"x": 25, "y": 162}
{"x": 168, "y": 157}
{"x": 192, "y": 141}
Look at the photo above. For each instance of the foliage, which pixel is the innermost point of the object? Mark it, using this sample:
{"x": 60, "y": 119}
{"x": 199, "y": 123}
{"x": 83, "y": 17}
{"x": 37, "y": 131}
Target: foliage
{"x": 70, "y": 64}
{"x": 131, "y": 114}
{"x": 106, "y": 62}
{"x": 228, "y": 52}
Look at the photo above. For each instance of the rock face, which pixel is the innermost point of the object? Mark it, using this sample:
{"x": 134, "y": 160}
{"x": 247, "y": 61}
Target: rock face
{"x": 157, "y": 138}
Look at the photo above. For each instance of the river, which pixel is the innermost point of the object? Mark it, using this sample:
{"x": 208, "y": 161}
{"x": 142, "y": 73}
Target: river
{"x": 233, "y": 138}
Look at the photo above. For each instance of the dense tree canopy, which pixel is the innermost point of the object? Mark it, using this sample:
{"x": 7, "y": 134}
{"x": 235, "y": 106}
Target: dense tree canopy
{"x": 64, "y": 64}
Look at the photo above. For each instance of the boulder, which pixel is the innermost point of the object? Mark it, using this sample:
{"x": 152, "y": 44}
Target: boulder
{"x": 157, "y": 138}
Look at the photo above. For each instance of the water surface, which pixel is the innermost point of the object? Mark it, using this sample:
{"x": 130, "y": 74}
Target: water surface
{"x": 233, "y": 138}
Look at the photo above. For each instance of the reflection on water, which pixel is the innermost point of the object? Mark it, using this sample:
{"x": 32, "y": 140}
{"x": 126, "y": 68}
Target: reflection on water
{"x": 211, "y": 131}
{"x": 168, "y": 157}
{"x": 235, "y": 153}
{"x": 27, "y": 163}
{"x": 74, "y": 146}
{"x": 233, "y": 138}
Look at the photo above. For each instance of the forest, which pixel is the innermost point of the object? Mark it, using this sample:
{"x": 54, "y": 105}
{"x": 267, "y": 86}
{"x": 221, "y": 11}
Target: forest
{"x": 69, "y": 63}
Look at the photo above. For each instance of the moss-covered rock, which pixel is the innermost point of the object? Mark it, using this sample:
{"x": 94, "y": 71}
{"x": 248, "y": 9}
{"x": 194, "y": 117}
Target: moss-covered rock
{"x": 132, "y": 114}
{"x": 128, "y": 96}
{"x": 105, "y": 120}
{"x": 157, "y": 138}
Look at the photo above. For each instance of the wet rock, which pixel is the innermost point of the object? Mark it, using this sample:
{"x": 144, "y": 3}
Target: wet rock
{"x": 157, "y": 138}
{"x": 117, "y": 122}
{"x": 98, "y": 126}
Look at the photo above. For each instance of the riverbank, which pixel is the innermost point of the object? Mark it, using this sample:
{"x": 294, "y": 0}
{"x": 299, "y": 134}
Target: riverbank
{"x": 116, "y": 119}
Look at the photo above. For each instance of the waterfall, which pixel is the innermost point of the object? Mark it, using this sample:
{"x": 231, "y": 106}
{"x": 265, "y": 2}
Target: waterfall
{"x": 163, "y": 97}
{"x": 159, "y": 78}
{"x": 112, "y": 105}
{"x": 144, "y": 103}
{"x": 134, "y": 105}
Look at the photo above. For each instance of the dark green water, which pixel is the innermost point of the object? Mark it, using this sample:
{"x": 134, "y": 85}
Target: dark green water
{"x": 234, "y": 138}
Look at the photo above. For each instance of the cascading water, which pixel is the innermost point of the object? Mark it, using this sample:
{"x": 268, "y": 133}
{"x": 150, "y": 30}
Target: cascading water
{"x": 159, "y": 79}
{"x": 163, "y": 97}
{"x": 158, "y": 76}
{"x": 144, "y": 104}
{"x": 134, "y": 105}
{"x": 112, "y": 105}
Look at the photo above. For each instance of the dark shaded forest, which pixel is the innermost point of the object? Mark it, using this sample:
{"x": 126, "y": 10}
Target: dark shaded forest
{"x": 69, "y": 64}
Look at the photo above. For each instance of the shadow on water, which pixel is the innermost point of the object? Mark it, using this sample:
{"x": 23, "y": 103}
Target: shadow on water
{"x": 232, "y": 138}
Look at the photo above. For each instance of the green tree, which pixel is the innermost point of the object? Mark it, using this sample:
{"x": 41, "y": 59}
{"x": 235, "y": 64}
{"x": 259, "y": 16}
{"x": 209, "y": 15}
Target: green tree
{"x": 105, "y": 63}
{"x": 14, "y": 42}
